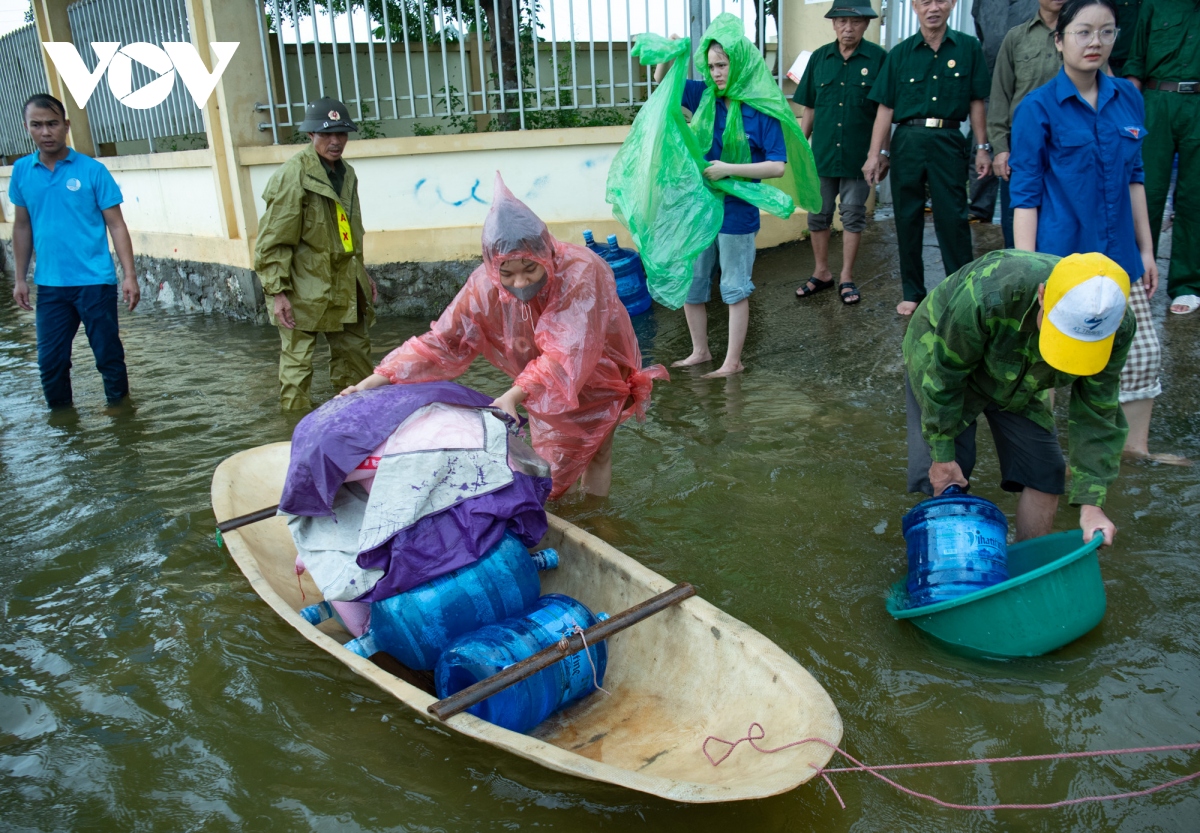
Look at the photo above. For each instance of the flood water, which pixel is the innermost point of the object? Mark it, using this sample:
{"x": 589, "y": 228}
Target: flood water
{"x": 144, "y": 686}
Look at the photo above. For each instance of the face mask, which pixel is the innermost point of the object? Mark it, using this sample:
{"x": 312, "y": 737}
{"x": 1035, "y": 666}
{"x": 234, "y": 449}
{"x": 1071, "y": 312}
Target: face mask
{"x": 527, "y": 293}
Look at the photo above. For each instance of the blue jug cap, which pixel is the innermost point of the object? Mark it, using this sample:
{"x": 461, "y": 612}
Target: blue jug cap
{"x": 546, "y": 559}
{"x": 958, "y": 497}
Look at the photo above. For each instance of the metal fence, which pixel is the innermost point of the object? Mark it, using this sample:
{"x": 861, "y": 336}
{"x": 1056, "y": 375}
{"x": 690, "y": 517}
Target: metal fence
{"x": 132, "y": 21}
{"x": 23, "y": 75}
{"x": 438, "y": 63}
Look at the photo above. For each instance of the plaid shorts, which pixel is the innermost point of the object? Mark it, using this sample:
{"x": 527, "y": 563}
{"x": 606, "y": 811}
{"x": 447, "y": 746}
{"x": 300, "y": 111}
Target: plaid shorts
{"x": 1139, "y": 378}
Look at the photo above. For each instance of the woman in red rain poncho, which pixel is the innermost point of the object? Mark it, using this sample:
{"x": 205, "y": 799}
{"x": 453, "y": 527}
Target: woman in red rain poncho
{"x": 548, "y": 315}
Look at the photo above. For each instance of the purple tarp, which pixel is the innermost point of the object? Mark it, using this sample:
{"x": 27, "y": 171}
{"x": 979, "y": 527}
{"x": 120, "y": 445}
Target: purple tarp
{"x": 330, "y": 442}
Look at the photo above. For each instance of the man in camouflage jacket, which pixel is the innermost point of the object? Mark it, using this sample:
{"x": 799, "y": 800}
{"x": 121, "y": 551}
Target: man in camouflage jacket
{"x": 995, "y": 338}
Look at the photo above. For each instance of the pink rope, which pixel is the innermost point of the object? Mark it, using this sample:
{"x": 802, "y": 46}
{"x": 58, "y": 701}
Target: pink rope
{"x": 757, "y": 733}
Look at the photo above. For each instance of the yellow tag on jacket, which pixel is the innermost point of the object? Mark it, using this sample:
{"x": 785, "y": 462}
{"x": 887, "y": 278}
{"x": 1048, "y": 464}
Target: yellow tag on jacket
{"x": 344, "y": 229}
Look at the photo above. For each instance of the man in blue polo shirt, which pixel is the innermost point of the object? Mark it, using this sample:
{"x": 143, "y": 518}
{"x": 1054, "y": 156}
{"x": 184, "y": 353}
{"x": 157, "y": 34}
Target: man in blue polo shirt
{"x": 65, "y": 202}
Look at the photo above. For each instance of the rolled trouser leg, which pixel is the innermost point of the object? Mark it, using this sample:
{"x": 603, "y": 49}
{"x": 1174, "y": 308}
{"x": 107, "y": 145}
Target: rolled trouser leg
{"x": 1030, "y": 455}
{"x": 97, "y": 306}
{"x": 984, "y": 190}
{"x": 57, "y": 322}
{"x": 350, "y": 354}
{"x": 1006, "y": 215}
{"x": 948, "y": 189}
{"x": 908, "y": 200}
{"x": 853, "y": 206}
{"x": 1140, "y": 375}
{"x": 1158, "y": 157}
{"x": 1184, "y": 275}
{"x": 296, "y": 367}
{"x": 920, "y": 458}
{"x": 822, "y": 220}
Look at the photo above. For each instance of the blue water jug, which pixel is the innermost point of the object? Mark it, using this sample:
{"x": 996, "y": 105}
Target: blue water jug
{"x": 416, "y": 626}
{"x": 591, "y": 243}
{"x": 631, "y": 277}
{"x": 957, "y": 544}
{"x": 521, "y": 706}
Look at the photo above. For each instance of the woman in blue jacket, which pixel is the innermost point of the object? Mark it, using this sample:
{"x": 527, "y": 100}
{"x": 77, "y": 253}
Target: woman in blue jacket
{"x": 1077, "y": 186}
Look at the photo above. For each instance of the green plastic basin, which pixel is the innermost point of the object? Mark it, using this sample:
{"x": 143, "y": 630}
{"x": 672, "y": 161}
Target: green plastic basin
{"x": 1053, "y": 596}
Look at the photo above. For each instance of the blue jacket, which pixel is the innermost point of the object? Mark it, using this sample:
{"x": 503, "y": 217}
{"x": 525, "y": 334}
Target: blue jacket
{"x": 1075, "y": 165}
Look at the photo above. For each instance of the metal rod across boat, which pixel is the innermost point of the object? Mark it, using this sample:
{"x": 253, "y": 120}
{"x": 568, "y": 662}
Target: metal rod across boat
{"x": 480, "y": 691}
{"x": 243, "y": 520}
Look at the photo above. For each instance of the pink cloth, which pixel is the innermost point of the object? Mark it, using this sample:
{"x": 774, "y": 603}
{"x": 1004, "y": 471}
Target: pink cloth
{"x": 356, "y": 616}
{"x": 572, "y": 348}
{"x": 435, "y": 426}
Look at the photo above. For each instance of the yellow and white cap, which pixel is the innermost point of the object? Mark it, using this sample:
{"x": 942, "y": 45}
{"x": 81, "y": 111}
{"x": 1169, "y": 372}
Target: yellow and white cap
{"x": 1084, "y": 302}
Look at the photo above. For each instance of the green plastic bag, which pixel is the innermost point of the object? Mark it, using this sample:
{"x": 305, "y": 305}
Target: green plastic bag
{"x": 656, "y": 185}
{"x": 750, "y": 82}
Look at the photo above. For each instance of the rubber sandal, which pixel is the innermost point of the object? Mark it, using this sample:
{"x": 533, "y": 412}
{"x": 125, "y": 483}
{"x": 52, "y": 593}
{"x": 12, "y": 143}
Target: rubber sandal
{"x": 818, "y": 285}
{"x": 848, "y": 288}
{"x": 1192, "y": 302}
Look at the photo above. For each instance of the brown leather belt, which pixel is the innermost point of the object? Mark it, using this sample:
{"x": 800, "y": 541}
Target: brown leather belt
{"x": 1174, "y": 86}
{"x": 931, "y": 122}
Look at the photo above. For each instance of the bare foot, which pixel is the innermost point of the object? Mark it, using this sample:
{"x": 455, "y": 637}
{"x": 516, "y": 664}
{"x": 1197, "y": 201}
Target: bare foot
{"x": 1165, "y": 459}
{"x": 724, "y": 371}
{"x": 692, "y": 360}
{"x": 906, "y": 307}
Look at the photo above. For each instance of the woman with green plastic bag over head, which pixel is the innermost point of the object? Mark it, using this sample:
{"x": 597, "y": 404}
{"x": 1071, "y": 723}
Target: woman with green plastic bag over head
{"x": 700, "y": 206}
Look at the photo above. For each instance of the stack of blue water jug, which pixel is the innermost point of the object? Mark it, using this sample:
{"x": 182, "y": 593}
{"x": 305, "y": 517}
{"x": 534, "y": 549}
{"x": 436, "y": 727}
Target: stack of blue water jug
{"x": 627, "y": 269}
{"x": 472, "y": 623}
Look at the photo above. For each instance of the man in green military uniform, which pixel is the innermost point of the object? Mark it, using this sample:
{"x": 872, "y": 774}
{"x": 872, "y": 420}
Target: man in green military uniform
{"x": 1127, "y": 15}
{"x": 309, "y": 256}
{"x": 995, "y": 338}
{"x": 1164, "y": 61}
{"x": 930, "y": 84}
{"x": 1027, "y": 59}
{"x": 837, "y": 117}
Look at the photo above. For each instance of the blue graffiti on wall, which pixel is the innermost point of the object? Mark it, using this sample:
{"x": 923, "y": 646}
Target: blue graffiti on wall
{"x": 472, "y": 196}
{"x": 538, "y": 184}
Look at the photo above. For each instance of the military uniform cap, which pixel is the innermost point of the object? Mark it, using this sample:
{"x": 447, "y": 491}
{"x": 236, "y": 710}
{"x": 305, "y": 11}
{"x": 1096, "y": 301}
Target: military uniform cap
{"x": 845, "y": 8}
{"x": 327, "y": 115}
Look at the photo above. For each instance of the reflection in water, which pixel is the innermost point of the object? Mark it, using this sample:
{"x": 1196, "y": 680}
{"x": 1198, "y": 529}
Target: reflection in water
{"x": 143, "y": 685}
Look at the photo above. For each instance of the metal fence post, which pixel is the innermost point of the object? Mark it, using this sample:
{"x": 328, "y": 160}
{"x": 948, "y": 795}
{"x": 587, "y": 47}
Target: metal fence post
{"x": 697, "y": 23}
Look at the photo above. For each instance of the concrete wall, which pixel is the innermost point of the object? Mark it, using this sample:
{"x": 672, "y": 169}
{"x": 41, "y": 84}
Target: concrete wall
{"x": 193, "y": 215}
{"x": 424, "y": 201}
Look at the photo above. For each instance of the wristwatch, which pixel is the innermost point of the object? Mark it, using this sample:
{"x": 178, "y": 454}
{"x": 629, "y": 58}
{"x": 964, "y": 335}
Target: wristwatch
{"x": 985, "y": 146}
{"x": 886, "y": 154}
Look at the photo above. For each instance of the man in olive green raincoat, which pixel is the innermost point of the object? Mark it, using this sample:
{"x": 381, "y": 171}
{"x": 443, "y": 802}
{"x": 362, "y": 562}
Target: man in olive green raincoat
{"x": 309, "y": 257}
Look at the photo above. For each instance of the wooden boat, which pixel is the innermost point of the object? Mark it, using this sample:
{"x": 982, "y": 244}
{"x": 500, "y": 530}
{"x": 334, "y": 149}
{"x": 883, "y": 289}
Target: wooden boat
{"x": 675, "y": 678}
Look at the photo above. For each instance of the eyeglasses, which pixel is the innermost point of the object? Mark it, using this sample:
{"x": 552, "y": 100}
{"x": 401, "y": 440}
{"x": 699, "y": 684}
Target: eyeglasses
{"x": 1083, "y": 37}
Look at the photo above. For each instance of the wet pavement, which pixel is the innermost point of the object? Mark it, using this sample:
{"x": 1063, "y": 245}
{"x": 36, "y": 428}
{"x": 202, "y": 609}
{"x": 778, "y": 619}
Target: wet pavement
{"x": 144, "y": 686}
